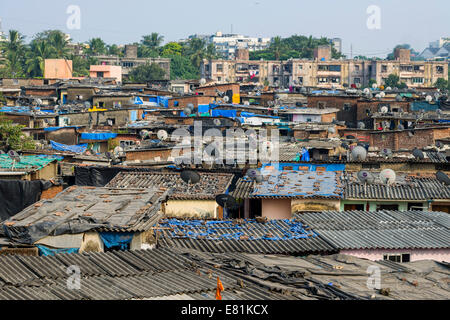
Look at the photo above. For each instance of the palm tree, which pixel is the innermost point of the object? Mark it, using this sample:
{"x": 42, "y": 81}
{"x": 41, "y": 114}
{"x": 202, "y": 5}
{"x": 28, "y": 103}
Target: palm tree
{"x": 96, "y": 47}
{"x": 14, "y": 51}
{"x": 59, "y": 43}
{"x": 196, "y": 50}
{"x": 153, "y": 40}
{"x": 277, "y": 47}
{"x": 40, "y": 50}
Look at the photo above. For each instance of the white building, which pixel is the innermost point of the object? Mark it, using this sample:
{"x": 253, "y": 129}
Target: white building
{"x": 226, "y": 44}
{"x": 437, "y": 49}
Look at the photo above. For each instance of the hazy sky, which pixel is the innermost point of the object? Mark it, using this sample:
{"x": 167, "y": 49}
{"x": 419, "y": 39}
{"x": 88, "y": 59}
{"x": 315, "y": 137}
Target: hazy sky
{"x": 416, "y": 22}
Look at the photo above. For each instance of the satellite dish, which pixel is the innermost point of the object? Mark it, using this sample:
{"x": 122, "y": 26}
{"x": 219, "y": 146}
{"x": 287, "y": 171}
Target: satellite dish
{"x": 439, "y": 111}
{"x": 429, "y": 98}
{"x": 443, "y": 178}
{"x": 418, "y": 154}
{"x": 190, "y": 177}
{"x": 401, "y": 127}
{"x": 162, "y": 135}
{"x": 187, "y": 111}
{"x": 386, "y": 152}
{"x": 217, "y": 122}
{"x": 359, "y": 153}
{"x": 365, "y": 177}
{"x": 331, "y": 130}
{"x": 144, "y": 134}
{"x": 378, "y": 96}
{"x": 246, "y": 103}
{"x": 374, "y": 86}
{"x": 398, "y": 98}
{"x": 384, "y": 109}
{"x": 202, "y": 81}
{"x": 118, "y": 151}
{"x": 366, "y": 91}
{"x": 226, "y": 99}
{"x": 38, "y": 102}
{"x": 14, "y": 157}
{"x": 87, "y": 105}
{"x": 226, "y": 201}
{"x": 361, "y": 125}
{"x": 382, "y": 94}
{"x": 388, "y": 89}
{"x": 388, "y": 176}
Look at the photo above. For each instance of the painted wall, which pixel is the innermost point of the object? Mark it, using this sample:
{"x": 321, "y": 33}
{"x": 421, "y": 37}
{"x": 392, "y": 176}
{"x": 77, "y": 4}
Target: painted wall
{"x": 314, "y": 205}
{"x": 276, "y": 208}
{"x": 58, "y": 69}
{"x": 191, "y": 208}
{"x": 415, "y": 254}
{"x": 108, "y": 72}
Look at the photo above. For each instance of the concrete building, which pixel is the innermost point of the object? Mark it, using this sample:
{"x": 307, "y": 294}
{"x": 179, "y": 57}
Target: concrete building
{"x": 58, "y": 69}
{"x": 103, "y": 71}
{"x": 131, "y": 61}
{"x": 226, "y": 45}
{"x": 325, "y": 72}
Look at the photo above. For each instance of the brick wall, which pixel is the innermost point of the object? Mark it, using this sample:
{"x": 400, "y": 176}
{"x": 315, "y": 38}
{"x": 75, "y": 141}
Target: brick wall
{"x": 195, "y": 100}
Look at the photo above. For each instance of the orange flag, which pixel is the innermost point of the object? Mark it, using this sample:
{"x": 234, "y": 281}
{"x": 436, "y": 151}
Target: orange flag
{"x": 219, "y": 289}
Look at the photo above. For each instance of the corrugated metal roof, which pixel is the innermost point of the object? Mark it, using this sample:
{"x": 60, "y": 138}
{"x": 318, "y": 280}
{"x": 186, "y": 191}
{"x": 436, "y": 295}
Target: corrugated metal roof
{"x": 29, "y": 163}
{"x": 275, "y": 236}
{"x": 79, "y": 209}
{"x": 210, "y": 185}
{"x": 407, "y": 187}
{"x": 381, "y": 229}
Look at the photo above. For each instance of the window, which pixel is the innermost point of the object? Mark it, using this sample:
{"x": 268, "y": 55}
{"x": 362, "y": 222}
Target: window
{"x": 400, "y": 257}
{"x": 300, "y": 80}
{"x": 346, "y": 107}
{"x": 383, "y": 68}
{"x": 219, "y": 67}
{"x": 111, "y": 121}
{"x": 300, "y": 67}
{"x": 335, "y": 68}
{"x": 323, "y": 80}
{"x": 357, "y": 67}
{"x": 46, "y": 82}
{"x": 219, "y": 78}
{"x": 101, "y": 104}
{"x": 321, "y": 105}
{"x": 417, "y": 80}
{"x": 100, "y": 74}
{"x": 357, "y": 80}
{"x": 439, "y": 69}
{"x": 127, "y": 64}
{"x": 335, "y": 79}
{"x": 371, "y": 166}
{"x": 406, "y": 68}
{"x": 418, "y": 68}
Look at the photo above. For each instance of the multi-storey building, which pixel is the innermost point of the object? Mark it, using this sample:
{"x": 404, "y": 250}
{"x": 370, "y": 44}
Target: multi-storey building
{"x": 325, "y": 72}
{"x": 227, "y": 44}
{"x": 131, "y": 61}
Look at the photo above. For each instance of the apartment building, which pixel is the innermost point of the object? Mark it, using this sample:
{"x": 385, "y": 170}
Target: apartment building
{"x": 131, "y": 61}
{"x": 325, "y": 72}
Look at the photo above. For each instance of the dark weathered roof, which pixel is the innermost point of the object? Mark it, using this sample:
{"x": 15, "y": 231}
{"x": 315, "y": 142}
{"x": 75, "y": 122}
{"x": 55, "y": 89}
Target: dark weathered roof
{"x": 381, "y": 229}
{"x": 210, "y": 185}
{"x": 79, "y": 209}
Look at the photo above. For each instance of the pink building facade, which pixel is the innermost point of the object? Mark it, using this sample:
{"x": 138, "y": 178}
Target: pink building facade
{"x": 105, "y": 71}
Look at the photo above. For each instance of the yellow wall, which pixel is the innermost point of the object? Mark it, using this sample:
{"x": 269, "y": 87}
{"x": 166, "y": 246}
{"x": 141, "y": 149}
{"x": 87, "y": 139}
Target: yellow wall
{"x": 314, "y": 205}
{"x": 191, "y": 208}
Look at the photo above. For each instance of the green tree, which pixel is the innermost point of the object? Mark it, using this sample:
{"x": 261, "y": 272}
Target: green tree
{"x": 12, "y": 137}
{"x": 13, "y": 51}
{"x": 114, "y": 50}
{"x": 181, "y": 68}
{"x": 171, "y": 49}
{"x": 196, "y": 50}
{"x": 152, "y": 41}
{"x": 147, "y": 72}
{"x": 97, "y": 47}
{"x": 393, "y": 81}
{"x": 39, "y": 51}
{"x": 277, "y": 47}
{"x": 442, "y": 84}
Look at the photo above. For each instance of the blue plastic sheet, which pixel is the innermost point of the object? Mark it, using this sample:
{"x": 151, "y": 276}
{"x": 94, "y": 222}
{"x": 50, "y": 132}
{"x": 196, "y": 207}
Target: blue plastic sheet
{"x": 223, "y": 113}
{"x": 98, "y": 136}
{"x": 64, "y": 147}
{"x": 45, "y": 251}
{"x": 312, "y": 167}
{"x": 305, "y": 155}
{"x": 424, "y": 105}
{"x": 116, "y": 239}
{"x": 58, "y": 128}
{"x": 289, "y": 229}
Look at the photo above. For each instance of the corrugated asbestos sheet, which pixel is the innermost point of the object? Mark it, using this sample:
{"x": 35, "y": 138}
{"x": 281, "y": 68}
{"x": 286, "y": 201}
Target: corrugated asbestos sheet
{"x": 169, "y": 274}
{"x": 381, "y": 229}
{"x": 275, "y": 236}
{"x": 299, "y": 184}
{"x": 405, "y": 188}
{"x": 79, "y": 209}
{"x": 210, "y": 185}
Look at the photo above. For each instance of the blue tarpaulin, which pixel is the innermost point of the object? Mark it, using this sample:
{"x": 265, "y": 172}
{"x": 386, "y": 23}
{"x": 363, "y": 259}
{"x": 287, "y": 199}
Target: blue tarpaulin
{"x": 64, "y": 147}
{"x": 312, "y": 167}
{"x": 163, "y": 100}
{"x": 45, "y": 251}
{"x": 223, "y": 113}
{"x": 203, "y": 108}
{"x": 58, "y": 128}
{"x": 116, "y": 239}
{"x": 424, "y": 105}
{"x": 98, "y": 136}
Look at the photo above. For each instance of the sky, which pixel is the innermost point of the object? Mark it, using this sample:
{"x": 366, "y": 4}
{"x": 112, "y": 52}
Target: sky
{"x": 392, "y": 22}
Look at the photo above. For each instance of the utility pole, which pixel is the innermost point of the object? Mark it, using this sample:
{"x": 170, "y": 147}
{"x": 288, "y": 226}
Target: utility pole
{"x": 351, "y": 51}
